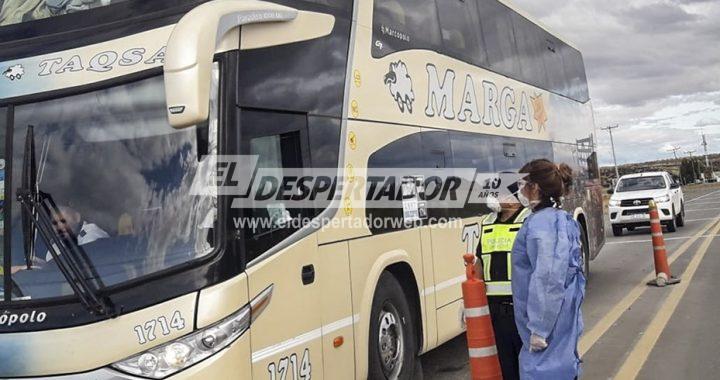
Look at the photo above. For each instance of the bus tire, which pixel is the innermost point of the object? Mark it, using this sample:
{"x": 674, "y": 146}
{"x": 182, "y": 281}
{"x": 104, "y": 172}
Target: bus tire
{"x": 392, "y": 344}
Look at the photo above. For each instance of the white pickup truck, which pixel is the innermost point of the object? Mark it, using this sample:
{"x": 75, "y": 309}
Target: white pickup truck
{"x": 628, "y": 207}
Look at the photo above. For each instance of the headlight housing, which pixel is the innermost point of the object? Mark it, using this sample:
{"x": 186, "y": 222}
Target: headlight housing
{"x": 614, "y": 202}
{"x": 174, "y": 356}
{"x": 664, "y": 198}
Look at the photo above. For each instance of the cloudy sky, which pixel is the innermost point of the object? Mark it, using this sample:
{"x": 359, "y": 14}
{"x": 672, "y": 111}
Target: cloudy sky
{"x": 653, "y": 68}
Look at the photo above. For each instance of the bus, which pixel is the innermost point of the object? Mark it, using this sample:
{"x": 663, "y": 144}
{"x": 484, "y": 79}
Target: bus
{"x": 134, "y": 134}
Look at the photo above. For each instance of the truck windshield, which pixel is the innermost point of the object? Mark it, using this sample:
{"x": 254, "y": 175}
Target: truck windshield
{"x": 132, "y": 191}
{"x": 641, "y": 183}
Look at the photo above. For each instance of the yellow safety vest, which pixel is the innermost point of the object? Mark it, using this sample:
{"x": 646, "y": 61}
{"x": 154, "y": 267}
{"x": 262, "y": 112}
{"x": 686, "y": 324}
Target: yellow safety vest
{"x": 496, "y": 242}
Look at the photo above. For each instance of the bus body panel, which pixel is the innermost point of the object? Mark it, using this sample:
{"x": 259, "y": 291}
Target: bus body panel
{"x": 221, "y": 300}
{"x": 336, "y": 309}
{"x": 85, "y": 348}
{"x": 286, "y": 337}
{"x": 430, "y": 327}
{"x": 369, "y": 257}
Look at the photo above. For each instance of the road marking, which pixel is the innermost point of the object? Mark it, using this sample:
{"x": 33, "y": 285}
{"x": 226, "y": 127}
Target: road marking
{"x": 605, "y": 323}
{"x": 705, "y": 203}
{"x": 639, "y": 354}
{"x": 703, "y": 196}
{"x": 666, "y": 239}
{"x": 701, "y": 209}
{"x": 697, "y": 220}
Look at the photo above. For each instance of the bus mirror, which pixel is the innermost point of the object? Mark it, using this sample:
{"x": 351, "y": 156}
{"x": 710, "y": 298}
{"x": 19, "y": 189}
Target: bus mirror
{"x": 192, "y": 45}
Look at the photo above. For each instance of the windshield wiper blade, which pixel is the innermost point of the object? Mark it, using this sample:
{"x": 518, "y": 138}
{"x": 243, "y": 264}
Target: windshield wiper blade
{"x": 70, "y": 257}
{"x": 29, "y": 182}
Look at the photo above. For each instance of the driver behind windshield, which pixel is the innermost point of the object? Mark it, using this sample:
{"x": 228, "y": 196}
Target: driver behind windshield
{"x": 69, "y": 225}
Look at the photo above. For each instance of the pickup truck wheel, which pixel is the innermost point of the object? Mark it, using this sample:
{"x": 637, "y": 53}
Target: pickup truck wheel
{"x": 617, "y": 230}
{"x": 671, "y": 225}
{"x": 680, "y": 220}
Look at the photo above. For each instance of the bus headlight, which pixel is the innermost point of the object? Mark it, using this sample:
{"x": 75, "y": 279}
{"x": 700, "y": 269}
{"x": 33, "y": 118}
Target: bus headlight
{"x": 172, "y": 357}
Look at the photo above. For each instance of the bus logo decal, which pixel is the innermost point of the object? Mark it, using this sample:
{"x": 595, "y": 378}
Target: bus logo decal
{"x": 539, "y": 112}
{"x": 400, "y": 85}
{"x": 14, "y": 72}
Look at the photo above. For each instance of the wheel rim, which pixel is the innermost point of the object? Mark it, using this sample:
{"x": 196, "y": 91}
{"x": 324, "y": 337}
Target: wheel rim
{"x": 390, "y": 341}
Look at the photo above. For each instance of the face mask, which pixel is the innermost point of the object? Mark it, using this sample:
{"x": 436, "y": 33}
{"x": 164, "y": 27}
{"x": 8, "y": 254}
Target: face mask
{"x": 523, "y": 199}
{"x": 493, "y": 204}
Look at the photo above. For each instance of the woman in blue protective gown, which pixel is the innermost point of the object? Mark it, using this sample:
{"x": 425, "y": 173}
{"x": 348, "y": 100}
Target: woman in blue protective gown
{"x": 548, "y": 284}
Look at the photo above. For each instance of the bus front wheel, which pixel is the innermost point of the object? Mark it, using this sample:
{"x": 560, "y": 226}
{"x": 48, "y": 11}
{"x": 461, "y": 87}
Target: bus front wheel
{"x": 393, "y": 343}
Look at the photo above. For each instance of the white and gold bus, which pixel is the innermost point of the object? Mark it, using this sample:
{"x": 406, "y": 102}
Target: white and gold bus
{"x": 120, "y": 260}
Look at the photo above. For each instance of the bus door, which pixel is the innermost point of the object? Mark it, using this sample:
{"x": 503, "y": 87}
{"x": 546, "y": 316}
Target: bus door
{"x": 286, "y": 339}
{"x": 446, "y": 240}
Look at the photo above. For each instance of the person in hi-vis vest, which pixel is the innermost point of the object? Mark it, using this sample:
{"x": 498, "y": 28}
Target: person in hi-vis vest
{"x": 497, "y": 235}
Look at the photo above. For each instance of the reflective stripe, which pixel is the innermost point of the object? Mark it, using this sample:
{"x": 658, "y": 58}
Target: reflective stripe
{"x": 659, "y": 248}
{"x": 475, "y": 312}
{"x": 499, "y": 288}
{"x": 509, "y": 265}
{"x": 657, "y": 234}
{"x": 482, "y": 352}
{"x": 654, "y": 220}
{"x": 486, "y": 260}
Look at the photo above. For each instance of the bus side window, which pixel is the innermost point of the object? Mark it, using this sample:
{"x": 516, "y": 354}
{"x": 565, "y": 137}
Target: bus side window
{"x": 280, "y": 142}
{"x": 471, "y": 150}
{"x": 460, "y": 36}
{"x": 499, "y": 37}
{"x": 404, "y": 24}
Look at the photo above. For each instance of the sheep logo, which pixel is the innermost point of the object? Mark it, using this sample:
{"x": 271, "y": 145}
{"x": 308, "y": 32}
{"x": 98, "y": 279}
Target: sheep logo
{"x": 400, "y": 85}
{"x": 14, "y": 72}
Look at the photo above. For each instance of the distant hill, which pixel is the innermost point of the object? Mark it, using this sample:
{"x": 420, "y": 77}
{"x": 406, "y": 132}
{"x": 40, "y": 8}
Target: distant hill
{"x": 671, "y": 166}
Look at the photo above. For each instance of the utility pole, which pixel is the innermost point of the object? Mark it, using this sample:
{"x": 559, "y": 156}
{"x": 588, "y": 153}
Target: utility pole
{"x": 692, "y": 162}
{"x": 705, "y": 144}
{"x": 674, "y": 151}
{"x": 609, "y": 128}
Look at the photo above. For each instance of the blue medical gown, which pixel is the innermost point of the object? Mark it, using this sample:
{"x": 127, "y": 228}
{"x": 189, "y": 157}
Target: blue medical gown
{"x": 548, "y": 289}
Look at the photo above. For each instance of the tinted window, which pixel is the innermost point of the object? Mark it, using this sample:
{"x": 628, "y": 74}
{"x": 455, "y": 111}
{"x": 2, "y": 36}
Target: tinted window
{"x": 531, "y": 50}
{"x": 552, "y": 57}
{"x": 404, "y": 24}
{"x": 472, "y": 150}
{"x": 284, "y": 141}
{"x": 538, "y": 149}
{"x": 306, "y": 76}
{"x": 509, "y": 154}
{"x": 574, "y": 69}
{"x": 458, "y": 20}
{"x": 401, "y": 154}
{"x": 498, "y": 36}
{"x": 14, "y": 12}
{"x": 436, "y": 154}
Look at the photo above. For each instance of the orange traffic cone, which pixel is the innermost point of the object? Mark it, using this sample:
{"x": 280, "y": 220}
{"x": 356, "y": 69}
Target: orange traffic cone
{"x": 484, "y": 362}
{"x": 662, "y": 269}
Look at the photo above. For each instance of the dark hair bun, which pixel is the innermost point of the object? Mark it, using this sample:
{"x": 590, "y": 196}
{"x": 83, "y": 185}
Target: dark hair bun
{"x": 566, "y": 176}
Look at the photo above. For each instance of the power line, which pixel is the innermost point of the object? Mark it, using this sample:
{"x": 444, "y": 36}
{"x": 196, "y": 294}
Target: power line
{"x": 674, "y": 151}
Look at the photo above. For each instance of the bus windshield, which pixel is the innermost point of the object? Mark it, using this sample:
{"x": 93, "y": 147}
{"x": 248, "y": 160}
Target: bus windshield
{"x": 641, "y": 183}
{"x": 132, "y": 191}
{"x": 18, "y": 11}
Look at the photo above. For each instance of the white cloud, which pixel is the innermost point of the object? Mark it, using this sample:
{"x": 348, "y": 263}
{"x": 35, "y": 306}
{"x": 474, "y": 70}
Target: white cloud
{"x": 653, "y": 67}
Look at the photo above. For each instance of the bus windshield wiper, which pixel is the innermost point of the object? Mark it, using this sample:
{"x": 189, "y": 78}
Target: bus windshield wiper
{"x": 38, "y": 209}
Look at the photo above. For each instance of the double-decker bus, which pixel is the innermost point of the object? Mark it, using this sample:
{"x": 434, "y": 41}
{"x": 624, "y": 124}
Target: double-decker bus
{"x": 120, "y": 259}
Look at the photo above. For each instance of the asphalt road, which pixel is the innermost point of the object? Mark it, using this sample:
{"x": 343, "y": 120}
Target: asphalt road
{"x": 632, "y": 330}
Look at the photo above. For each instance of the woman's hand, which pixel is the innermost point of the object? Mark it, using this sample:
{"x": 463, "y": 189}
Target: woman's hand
{"x": 537, "y": 343}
